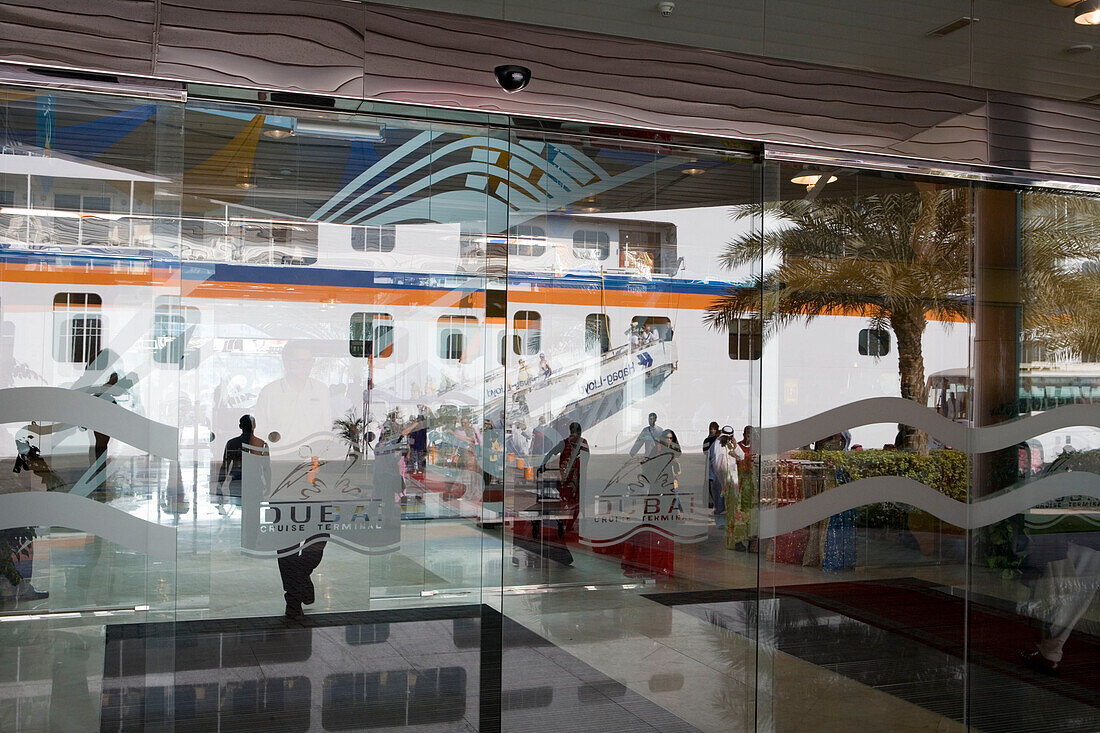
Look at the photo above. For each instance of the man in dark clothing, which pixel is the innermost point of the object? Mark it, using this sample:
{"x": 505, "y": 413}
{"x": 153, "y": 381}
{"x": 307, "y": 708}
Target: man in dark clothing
{"x": 418, "y": 445}
{"x": 231, "y": 467}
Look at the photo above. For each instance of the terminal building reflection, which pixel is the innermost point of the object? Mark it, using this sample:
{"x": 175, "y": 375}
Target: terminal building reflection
{"x": 317, "y": 415}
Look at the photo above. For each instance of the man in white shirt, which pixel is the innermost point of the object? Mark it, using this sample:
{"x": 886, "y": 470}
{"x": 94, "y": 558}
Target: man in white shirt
{"x": 295, "y": 413}
{"x": 295, "y": 410}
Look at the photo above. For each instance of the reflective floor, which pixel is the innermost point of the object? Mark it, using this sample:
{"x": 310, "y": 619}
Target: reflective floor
{"x": 600, "y": 651}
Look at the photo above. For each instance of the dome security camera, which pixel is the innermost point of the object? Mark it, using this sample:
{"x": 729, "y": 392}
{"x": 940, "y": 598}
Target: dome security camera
{"x": 512, "y": 78}
{"x": 666, "y": 8}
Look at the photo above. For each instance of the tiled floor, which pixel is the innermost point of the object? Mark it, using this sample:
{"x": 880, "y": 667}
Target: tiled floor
{"x": 367, "y": 671}
{"x": 583, "y": 647}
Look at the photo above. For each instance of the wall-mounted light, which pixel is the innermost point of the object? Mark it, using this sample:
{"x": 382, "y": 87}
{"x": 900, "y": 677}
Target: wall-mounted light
{"x": 1087, "y": 12}
{"x": 349, "y": 128}
{"x": 809, "y": 179}
{"x": 244, "y": 178}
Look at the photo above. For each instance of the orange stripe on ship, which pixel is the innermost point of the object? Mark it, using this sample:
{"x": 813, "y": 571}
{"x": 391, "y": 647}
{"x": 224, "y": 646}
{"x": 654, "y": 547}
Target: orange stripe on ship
{"x": 83, "y": 276}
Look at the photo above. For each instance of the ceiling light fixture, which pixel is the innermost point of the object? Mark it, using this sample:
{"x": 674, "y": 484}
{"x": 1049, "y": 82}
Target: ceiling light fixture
{"x": 693, "y": 171}
{"x": 947, "y": 28}
{"x": 809, "y": 179}
{"x": 1087, "y": 12}
{"x": 277, "y": 133}
{"x": 349, "y": 127}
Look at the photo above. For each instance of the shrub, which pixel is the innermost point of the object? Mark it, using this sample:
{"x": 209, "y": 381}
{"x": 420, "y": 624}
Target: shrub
{"x": 946, "y": 471}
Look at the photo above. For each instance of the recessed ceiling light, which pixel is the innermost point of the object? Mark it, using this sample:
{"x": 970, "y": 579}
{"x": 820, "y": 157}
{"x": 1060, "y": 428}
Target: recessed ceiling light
{"x": 955, "y": 25}
{"x": 693, "y": 171}
{"x": 277, "y": 133}
{"x": 1087, "y": 12}
{"x": 1079, "y": 48}
{"x": 809, "y": 179}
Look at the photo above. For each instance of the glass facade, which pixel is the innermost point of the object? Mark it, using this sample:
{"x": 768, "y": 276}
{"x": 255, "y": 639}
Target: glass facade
{"x": 330, "y": 421}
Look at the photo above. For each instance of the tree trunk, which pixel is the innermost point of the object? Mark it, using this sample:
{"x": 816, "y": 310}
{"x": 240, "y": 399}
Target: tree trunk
{"x": 908, "y": 325}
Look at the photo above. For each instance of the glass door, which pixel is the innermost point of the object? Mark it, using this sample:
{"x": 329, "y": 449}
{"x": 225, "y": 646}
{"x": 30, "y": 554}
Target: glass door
{"x": 630, "y": 425}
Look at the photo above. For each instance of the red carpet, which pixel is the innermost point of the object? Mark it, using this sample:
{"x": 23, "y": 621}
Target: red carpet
{"x": 917, "y": 610}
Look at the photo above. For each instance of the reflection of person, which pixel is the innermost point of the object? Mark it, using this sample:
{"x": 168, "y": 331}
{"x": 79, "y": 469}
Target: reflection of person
{"x": 1070, "y": 585}
{"x": 296, "y": 413}
{"x": 519, "y": 441}
{"x": 540, "y": 442}
{"x": 524, "y": 373}
{"x": 232, "y": 463}
{"x": 724, "y": 454}
{"x": 418, "y": 444}
{"x": 647, "y": 553}
{"x": 572, "y": 465}
{"x": 714, "y": 485}
{"x": 649, "y": 439}
{"x": 544, "y": 367}
{"x": 739, "y": 521}
{"x": 296, "y": 407}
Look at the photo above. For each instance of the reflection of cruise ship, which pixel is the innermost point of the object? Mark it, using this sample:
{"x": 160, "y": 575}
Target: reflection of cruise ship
{"x": 402, "y": 307}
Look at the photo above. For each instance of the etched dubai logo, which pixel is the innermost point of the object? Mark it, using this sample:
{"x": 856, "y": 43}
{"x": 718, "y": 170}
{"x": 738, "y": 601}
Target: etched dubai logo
{"x": 644, "y": 495}
{"x": 354, "y": 505}
{"x": 290, "y": 517}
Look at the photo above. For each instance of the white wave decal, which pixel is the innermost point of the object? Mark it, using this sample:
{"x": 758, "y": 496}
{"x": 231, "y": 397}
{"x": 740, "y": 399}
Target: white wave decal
{"x": 58, "y": 509}
{"x": 56, "y": 404}
{"x": 981, "y": 513}
{"x": 878, "y": 410}
{"x": 685, "y": 539}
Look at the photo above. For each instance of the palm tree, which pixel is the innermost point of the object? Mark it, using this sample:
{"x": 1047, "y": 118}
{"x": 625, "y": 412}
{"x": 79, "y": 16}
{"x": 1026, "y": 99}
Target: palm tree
{"x": 1060, "y": 256}
{"x": 351, "y": 428}
{"x": 900, "y": 258}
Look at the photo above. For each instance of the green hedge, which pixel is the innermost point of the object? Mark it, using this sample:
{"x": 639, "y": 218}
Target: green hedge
{"x": 946, "y": 471}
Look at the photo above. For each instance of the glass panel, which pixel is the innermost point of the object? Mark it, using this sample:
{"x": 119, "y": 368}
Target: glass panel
{"x": 612, "y": 552}
{"x": 93, "y": 490}
{"x": 867, "y": 292}
{"x": 1032, "y": 604}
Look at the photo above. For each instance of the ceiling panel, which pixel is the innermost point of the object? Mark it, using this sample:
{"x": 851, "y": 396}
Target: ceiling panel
{"x": 1014, "y": 45}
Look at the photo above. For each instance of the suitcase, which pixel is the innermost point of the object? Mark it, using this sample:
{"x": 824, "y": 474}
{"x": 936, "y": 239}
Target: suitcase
{"x": 547, "y": 489}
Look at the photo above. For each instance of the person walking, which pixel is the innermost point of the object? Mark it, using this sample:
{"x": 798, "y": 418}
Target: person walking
{"x": 649, "y": 439}
{"x": 724, "y": 454}
{"x": 714, "y": 486}
{"x": 739, "y": 521}
{"x": 572, "y": 466}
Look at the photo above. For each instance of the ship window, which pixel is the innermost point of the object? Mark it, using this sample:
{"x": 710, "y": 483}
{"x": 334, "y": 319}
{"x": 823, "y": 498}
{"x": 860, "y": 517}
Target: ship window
{"x": 374, "y": 239}
{"x": 78, "y": 327}
{"x": 745, "y": 341}
{"x": 527, "y": 336}
{"x": 874, "y": 342}
{"x": 658, "y": 326}
{"x": 371, "y": 335}
{"x": 591, "y": 244}
{"x": 173, "y": 326}
{"x": 597, "y": 334}
{"x": 526, "y": 240}
{"x": 455, "y": 336}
